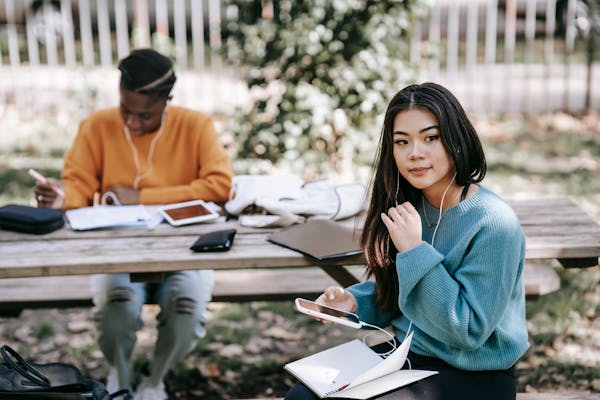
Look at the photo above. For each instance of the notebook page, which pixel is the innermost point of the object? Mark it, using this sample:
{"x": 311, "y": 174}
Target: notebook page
{"x": 108, "y": 216}
{"x": 384, "y": 384}
{"x": 392, "y": 363}
{"x": 328, "y": 371}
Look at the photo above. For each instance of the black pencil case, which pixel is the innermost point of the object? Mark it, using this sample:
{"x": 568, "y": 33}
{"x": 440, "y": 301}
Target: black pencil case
{"x": 26, "y": 219}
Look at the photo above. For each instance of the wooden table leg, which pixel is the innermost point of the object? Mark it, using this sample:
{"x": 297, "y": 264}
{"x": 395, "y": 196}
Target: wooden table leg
{"x": 578, "y": 262}
{"x": 340, "y": 274}
{"x": 148, "y": 277}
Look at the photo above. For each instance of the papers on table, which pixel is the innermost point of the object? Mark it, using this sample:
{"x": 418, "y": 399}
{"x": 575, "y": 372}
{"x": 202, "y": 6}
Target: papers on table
{"x": 135, "y": 216}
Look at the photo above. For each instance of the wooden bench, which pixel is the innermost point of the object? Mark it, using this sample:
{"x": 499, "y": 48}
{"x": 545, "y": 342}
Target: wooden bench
{"x": 230, "y": 285}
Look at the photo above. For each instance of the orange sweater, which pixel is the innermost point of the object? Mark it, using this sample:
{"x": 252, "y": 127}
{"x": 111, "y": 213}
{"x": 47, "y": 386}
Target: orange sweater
{"x": 188, "y": 162}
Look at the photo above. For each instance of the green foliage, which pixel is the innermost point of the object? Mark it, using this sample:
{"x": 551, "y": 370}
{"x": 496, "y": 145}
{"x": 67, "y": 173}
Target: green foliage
{"x": 319, "y": 74}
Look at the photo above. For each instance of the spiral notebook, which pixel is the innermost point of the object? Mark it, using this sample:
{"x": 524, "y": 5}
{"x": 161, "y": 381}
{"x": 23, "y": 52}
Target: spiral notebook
{"x": 352, "y": 370}
{"x": 99, "y": 217}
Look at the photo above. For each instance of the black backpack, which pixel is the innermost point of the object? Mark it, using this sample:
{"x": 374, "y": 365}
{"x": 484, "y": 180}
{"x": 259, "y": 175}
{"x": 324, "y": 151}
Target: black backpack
{"x": 22, "y": 380}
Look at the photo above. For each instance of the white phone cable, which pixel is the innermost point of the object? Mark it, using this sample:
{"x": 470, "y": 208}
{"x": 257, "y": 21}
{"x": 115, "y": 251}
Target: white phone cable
{"x": 136, "y": 158}
{"x": 391, "y": 341}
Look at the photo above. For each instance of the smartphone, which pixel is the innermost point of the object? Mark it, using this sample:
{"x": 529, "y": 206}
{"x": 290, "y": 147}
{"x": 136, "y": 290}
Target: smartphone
{"x": 188, "y": 212}
{"x": 328, "y": 313}
{"x": 221, "y": 240}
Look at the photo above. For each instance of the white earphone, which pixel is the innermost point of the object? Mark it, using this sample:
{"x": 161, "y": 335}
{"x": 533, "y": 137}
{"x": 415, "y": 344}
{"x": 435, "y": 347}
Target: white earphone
{"x": 139, "y": 175}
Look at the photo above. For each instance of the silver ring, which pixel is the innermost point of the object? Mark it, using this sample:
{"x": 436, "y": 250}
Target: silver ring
{"x": 40, "y": 197}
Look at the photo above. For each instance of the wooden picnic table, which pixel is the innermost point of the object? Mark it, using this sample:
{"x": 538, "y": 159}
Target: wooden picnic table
{"x": 555, "y": 228}
{"x": 52, "y": 270}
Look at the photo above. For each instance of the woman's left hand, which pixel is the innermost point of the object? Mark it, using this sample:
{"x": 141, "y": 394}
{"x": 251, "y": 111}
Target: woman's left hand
{"x": 403, "y": 223}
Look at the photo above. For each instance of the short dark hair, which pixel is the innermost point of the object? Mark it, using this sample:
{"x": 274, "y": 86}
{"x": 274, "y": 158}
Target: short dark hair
{"x": 462, "y": 143}
{"x": 148, "y": 72}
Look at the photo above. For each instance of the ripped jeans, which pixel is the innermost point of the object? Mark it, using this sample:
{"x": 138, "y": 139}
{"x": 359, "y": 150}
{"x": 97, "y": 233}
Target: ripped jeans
{"x": 182, "y": 297}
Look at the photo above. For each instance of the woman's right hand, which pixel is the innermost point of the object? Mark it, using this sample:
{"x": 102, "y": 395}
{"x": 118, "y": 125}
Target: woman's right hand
{"x": 47, "y": 193}
{"x": 338, "y": 297}
{"x": 403, "y": 223}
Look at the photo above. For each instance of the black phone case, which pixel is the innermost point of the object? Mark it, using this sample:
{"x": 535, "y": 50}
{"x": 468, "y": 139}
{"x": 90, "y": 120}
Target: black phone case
{"x": 215, "y": 241}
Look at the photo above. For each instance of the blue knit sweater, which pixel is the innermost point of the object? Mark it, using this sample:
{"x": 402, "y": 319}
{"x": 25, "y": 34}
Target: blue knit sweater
{"x": 465, "y": 296}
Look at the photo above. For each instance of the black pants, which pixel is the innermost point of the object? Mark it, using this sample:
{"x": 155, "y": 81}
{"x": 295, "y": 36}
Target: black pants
{"x": 449, "y": 384}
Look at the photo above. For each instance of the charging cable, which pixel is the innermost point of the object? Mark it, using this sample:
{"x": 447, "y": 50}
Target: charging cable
{"x": 391, "y": 341}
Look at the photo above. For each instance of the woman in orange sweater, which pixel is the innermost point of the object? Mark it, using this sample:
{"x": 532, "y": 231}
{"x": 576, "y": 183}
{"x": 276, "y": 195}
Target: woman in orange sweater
{"x": 144, "y": 152}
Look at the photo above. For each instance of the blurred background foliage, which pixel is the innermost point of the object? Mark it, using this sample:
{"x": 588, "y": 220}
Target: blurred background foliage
{"x": 320, "y": 74}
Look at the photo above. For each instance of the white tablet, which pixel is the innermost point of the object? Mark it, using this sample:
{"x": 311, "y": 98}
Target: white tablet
{"x": 188, "y": 212}
{"x": 328, "y": 313}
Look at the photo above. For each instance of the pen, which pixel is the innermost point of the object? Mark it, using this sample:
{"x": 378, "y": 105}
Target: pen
{"x": 43, "y": 179}
{"x": 342, "y": 387}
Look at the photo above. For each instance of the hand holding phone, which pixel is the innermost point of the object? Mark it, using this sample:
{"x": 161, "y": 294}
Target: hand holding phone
{"x": 49, "y": 192}
{"x": 42, "y": 179}
{"x": 325, "y": 313}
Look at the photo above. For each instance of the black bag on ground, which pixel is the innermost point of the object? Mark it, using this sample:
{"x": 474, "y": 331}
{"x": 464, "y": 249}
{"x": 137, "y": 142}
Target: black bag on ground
{"x": 14, "y": 217}
{"x": 22, "y": 380}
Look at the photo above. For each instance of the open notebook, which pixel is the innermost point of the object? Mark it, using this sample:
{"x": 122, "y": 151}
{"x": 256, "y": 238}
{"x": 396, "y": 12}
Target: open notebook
{"x": 320, "y": 238}
{"x": 128, "y": 216}
{"x": 352, "y": 370}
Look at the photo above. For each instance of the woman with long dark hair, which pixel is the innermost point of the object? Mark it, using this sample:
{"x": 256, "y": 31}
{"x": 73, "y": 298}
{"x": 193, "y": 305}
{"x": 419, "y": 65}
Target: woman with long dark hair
{"x": 446, "y": 253}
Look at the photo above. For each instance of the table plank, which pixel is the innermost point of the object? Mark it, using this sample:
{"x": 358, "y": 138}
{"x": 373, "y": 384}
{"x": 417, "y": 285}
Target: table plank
{"x": 143, "y": 254}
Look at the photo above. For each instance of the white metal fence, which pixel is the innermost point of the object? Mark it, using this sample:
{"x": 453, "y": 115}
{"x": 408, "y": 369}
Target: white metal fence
{"x": 98, "y": 32}
{"x": 496, "y": 55}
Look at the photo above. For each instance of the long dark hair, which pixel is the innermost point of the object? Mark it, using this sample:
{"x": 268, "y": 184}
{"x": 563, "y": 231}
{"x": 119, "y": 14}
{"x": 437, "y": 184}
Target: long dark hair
{"x": 460, "y": 140}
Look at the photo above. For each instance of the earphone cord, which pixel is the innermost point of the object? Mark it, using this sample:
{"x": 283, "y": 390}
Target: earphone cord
{"x": 136, "y": 159}
{"x": 437, "y": 225}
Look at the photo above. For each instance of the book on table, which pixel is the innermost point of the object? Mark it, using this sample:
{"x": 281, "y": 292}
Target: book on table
{"x": 320, "y": 238}
{"x": 353, "y": 370}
